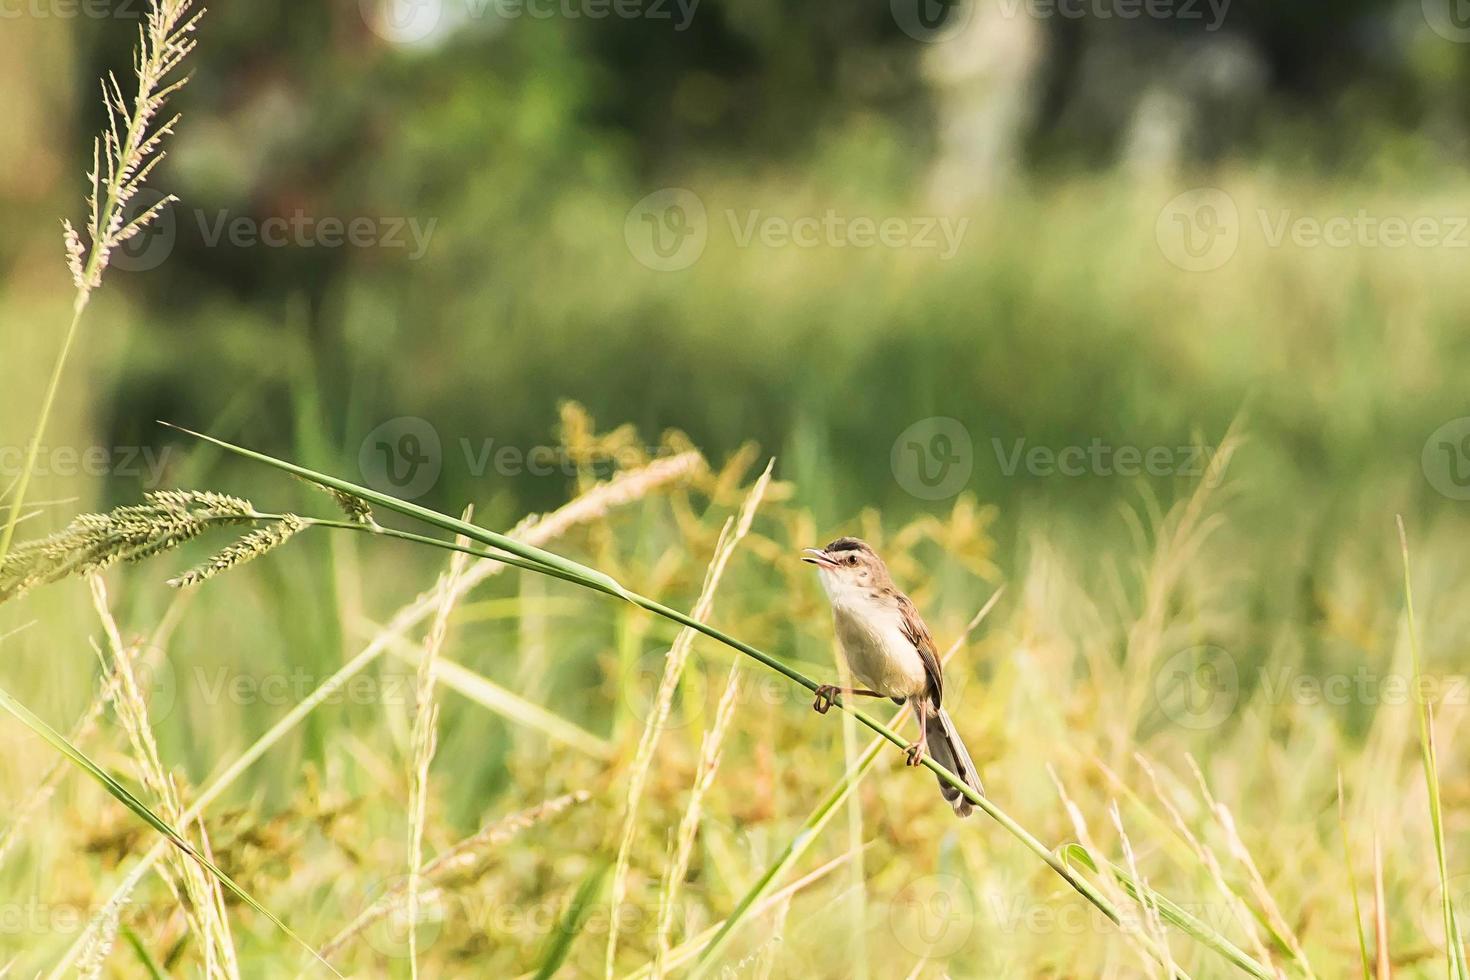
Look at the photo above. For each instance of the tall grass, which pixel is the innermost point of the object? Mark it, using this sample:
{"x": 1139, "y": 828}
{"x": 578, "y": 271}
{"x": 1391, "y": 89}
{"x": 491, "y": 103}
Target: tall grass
{"x": 123, "y": 156}
{"x": 1155, "y": 904}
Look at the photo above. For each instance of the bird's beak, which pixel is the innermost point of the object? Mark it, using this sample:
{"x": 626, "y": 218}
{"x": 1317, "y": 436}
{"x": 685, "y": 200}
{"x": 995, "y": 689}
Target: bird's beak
{"x": 817, "y": 557}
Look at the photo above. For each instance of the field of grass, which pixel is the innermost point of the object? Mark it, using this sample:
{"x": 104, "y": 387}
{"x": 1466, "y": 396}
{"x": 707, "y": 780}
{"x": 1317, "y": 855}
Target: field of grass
{"x": 1197, "y": 695}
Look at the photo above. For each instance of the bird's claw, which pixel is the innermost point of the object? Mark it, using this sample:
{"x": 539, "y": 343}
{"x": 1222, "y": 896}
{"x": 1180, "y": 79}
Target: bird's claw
{"x": 915, "y": 753}
{"x": 826, "y": 695}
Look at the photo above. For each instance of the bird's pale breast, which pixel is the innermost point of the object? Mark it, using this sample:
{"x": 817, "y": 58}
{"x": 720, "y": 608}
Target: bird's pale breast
{"x": 878, "y": 653}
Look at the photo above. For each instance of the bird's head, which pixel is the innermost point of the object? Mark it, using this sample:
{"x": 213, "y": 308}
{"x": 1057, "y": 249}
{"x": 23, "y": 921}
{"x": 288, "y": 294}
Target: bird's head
{"x": 848, "y": 565}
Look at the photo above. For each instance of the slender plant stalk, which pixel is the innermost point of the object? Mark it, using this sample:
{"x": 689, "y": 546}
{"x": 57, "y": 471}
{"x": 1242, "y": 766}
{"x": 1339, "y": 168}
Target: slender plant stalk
{"x": 1455, "y": 966}
{"x": 425, "y": 743}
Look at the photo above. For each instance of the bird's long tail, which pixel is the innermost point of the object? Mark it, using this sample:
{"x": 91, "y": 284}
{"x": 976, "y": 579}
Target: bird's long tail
{"x": 949, "y": 751}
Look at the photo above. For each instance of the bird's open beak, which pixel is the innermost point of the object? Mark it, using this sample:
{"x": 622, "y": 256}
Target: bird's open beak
{"x": 817, "y": 557}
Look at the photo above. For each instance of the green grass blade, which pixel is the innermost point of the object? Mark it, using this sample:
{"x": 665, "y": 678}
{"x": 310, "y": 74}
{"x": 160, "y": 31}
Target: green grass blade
{"x": 1455, "y": 964}
{"x": 155, "y": 972}
{"x": 1172, "y": 913}
{"x": 1347, "y": 863}
{"x": 141, "y": 810}
{"x": 572, "y": 920}
{"x": 531, "y": 553}
{"x": 810, "y": 830}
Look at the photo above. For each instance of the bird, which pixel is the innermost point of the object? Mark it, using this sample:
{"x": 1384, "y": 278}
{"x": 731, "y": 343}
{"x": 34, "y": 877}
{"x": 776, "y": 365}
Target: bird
{"x": 888, "y": 648}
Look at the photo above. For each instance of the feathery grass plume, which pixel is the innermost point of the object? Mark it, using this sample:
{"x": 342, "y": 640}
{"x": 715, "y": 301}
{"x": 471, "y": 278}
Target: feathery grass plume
{"x": 709, "y": 765}
{"x": 357, "y": 510}
{"x": 1152, "y": 920}
{"x": 93, "y": 542}
{"x": 201, "y": 901}
{"x": 765, "y": 966}
{"x": 535, "y": 530}
{"x": 1143, "y": 945}
{"x": 122, "y": 158}
{"x": 94, "y": 958}
{"x": 261, "y": 541}
{"x": 426, "y": 740}
{"x": 1225, "y": 820}
{"x": 1240, "y": 911}
{"x": 734, "y": 531}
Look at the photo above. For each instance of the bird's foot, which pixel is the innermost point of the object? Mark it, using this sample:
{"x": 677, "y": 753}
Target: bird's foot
{"x": 916, "y": 752}
{"x": 826, "y": 695}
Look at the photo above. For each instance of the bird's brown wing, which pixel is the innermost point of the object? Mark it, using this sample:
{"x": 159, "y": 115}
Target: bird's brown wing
{"x": 918, "y": 635}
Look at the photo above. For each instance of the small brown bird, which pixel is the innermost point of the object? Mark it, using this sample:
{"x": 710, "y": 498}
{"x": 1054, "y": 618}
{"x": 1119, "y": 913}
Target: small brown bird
{"x": 888, "y": 648}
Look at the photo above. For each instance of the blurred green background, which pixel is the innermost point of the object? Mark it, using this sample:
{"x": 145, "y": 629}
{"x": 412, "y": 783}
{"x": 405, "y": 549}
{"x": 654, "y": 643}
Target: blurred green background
{"x": 519, "y": 143}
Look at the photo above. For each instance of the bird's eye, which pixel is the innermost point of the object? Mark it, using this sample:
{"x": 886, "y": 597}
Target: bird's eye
{"x": 852, "y": 559}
